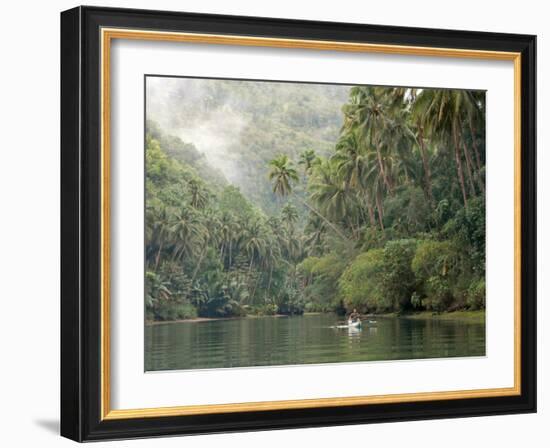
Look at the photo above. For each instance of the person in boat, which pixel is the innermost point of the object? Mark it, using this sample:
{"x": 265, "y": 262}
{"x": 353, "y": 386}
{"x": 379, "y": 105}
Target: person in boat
{"x": 354, "y": 316}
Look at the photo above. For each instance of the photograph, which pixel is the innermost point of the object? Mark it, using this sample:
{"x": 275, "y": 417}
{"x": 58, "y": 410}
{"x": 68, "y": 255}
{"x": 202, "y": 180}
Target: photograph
{"x": 291, "y": 223}
{"x": 274, "y": 222}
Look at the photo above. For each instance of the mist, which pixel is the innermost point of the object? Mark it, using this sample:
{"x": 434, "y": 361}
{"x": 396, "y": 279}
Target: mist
{"x": 181, "y": 106}
{"x": 239, "y": 126}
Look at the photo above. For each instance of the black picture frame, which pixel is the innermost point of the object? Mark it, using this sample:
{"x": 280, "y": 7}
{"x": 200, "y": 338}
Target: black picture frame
{"x": 81, "y": 224}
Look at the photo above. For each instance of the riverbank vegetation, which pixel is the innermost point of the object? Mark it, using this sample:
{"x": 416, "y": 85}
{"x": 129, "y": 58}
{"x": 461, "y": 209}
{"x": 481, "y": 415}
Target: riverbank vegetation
{"x": 390, "y": 217}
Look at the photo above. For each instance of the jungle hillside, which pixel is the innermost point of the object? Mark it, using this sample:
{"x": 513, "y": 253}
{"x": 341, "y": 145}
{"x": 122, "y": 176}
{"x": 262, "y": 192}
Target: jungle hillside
{"x": 267, "y": 198}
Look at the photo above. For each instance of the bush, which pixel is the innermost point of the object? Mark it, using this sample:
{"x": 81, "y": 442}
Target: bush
{"x": 408, "y": 212}
{"x": 476, "y": 295}
{"x": 320, "y": 275}
{"x": 434, "y": 266}
{"x": 175, "y": 311}
{"x": 439, "y": 295}
{"x": 290, "y": 302}
{"x": 467, "y": 229}
{"x": 380, "y": 280}
{"x": 360, "y": 285}
{"x": 398, "y": 279}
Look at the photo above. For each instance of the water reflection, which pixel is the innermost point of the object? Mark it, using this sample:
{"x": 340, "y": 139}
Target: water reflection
{"x": 304, "y": 340}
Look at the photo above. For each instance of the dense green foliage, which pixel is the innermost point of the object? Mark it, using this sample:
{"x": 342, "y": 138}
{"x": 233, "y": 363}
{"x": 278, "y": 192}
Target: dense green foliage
{"x": 391, "y": 218}
{"x": 243, "y": 125}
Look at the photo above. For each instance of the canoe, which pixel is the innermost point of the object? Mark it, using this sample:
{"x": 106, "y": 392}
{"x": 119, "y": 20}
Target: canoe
{"x": 355, "y": 324}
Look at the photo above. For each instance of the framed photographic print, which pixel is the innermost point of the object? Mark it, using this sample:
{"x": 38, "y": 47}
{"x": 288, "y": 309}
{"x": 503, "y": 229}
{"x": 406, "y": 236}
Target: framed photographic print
{"x": 272, "y": 223}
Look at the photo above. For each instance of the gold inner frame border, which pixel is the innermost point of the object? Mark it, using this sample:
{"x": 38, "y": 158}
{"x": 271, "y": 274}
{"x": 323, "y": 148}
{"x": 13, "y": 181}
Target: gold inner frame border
{"x": 107, "y": 36}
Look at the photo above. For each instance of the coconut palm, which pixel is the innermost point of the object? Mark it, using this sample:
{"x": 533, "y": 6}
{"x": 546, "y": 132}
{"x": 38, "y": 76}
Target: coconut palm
{"x": 368, "y": 113}
{"x": 329, "y": 191}
{"x": 159, "y": 232}
{"x": 442, "y": 113}
{"x": 289, "y": 215}
{"x": 282, "y": 173}
{"x": 254, "y": 241}
{"x": 199, "y": 194}
{"x": 307, "y": 160}
{"x": 315, "y": 233}
{"x": 227, "y": 230}
{"x": 186, "y": 231}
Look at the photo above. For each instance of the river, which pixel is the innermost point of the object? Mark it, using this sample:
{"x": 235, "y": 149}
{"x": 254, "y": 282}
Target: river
{"x": 308, "y": 339}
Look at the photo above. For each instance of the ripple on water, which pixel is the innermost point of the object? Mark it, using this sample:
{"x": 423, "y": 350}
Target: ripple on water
{"x": 305, "y": 340}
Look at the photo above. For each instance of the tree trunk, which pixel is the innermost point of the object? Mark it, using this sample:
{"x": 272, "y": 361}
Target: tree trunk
{"x": 381, "y": 166}
{"x": 477, "y": 176}
{"x": 196, "y": 271}
{"x": 458, "y": 161}
{"x": 270, "y": 276}
{"x": 474, "y": 143}
{"x": 383, "y": 170}
{"x": 469, "y": 162}
{"x": 157, "y": 260}
{"x": 380, "y": 208}
{"x": 332, "y": 226}
{"x": 425, "y": 163}
{"x": 258, "y": 278}
{"x": 370, "y": 209}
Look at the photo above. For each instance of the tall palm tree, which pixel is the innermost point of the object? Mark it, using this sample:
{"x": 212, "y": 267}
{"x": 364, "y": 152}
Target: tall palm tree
{"x": 315, "y": 231}
{"x": 329, "y": 191}
{"x": 282, "y": 173}
{"x": 255, "y": 242}
{"x": 199, "y": 194}
{"x": 227, "y": 230}
{"x": 476, "y": 117}
{"x": 210, "y": 235}
{"x": 186, "y": 231}
{"x": 307, "y": 159}
{"x": 368, "y": 111}
{"x": 289, "y": 215}
{"x": 159, "y": 231}
{"x": 441, "y": 112}
{"x": 351, "y": 159}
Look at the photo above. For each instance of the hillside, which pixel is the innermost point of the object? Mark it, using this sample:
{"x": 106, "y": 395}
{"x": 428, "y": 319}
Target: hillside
{"x": 237, "y": 127}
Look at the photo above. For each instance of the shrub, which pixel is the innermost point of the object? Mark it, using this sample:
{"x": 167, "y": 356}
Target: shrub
{"x": 434, "y": 266}
{"x": 320, "y": 275}
{"x": 476, "y": 295}
{"x": 175, "y": 311}
{"x": 398, "y": 278}
{"x": 360, "y": 285}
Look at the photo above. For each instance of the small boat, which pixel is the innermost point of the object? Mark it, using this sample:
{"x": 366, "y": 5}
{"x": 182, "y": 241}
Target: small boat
{"x": 354, "y": 323}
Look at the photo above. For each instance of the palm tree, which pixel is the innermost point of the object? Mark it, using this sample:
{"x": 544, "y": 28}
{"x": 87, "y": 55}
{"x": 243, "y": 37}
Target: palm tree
{"x": 351, "y": 159}
{"x": 211, "y": 234}
{"x": 227, "y": 232}
{"x": 199, "y": 194}
{"x": 159, "y": 230}
{"x": 368, "y": 113}
{"x": 441, "y": 112}
{"x": 329, "y": 191}
{"x": 476, "y": 115}
{"x": 289, "y": 215}
{"x": 315, "y": 229}
{"x": 282, "y": 174}
{"x": 255, "y": 242}
{"x": 422, "y": 145}
{"x": 307, "y": 159}
{"x": 186, "y": 231}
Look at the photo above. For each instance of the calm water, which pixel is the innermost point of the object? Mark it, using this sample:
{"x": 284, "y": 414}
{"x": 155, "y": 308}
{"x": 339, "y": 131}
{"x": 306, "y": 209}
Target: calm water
{"x": 268, "y": 341}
